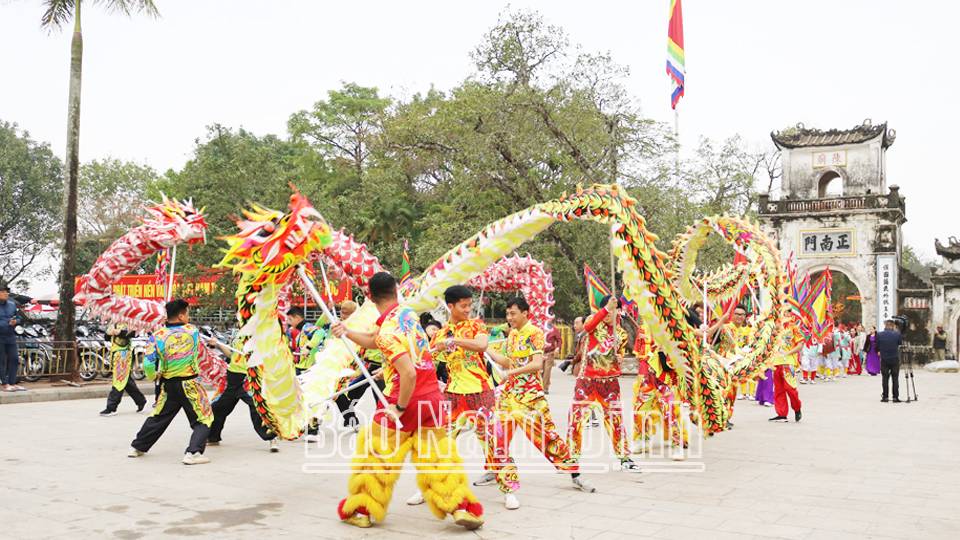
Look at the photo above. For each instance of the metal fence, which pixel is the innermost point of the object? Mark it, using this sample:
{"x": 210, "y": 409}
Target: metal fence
{"x": 39, "y": 359}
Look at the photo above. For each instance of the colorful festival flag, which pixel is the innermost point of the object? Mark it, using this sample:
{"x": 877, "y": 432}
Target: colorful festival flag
{"x": 405, "y": 266}
{"x": 819, "y": 307}
{"x": 675, "y": 63}
{"x": 596, "y": 290}
{"x": 630, "y": 308}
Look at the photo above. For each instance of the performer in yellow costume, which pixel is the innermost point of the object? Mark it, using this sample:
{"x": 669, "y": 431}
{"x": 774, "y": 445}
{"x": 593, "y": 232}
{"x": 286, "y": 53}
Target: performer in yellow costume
{"x": 522, "y": 404}
{"x": 738, "y": 335}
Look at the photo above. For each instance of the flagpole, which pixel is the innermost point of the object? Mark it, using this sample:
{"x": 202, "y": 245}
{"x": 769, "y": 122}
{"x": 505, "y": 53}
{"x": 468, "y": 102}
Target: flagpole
{"x": 173, "y": 270}
{"x": 676, "y": 134}
{"x": 613, "y": 289}
{"x": 326, "y": 284}
{"x": 332, "y": 317}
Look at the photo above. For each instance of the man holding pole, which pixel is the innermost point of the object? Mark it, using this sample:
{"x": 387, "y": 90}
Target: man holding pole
{"x": 172, "y": 358}
{"x": 234, "y": 392}
{"x": 599, "y": 382}
{"x": 410, "y": 423}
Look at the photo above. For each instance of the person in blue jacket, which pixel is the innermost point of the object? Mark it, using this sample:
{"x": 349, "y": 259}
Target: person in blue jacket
{"x": 9, "y": 356}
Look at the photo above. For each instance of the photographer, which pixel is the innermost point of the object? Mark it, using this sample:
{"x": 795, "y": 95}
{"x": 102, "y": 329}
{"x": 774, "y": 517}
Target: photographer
{"x": 888, "y": 344}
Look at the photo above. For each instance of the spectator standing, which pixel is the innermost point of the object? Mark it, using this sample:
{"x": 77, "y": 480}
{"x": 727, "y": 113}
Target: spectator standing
{"x": 9, "y": 356}
{"x": 940, "y": 344}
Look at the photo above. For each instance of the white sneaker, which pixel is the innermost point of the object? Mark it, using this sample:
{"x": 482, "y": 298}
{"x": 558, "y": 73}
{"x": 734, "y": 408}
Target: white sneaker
{"x": 134, "y": 452}
{"x": 677, "y": 454}
{"x": 768, "y": 404}
{"x": 275, "y": 444}
{"x": 195, "y": 458}
{"x": 583, "y": 484}
{"x": 640, "y": 447}
{"x": 803, "y": 381}
{"x": 415, "y": 499}
{"x": 486, "y": 480}
{"x": 510, "y": 501}
{"x": 311, "y": 438}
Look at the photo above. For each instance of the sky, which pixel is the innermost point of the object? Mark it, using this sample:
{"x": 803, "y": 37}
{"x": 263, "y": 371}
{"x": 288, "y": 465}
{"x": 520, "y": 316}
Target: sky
{"x": 150, "y": 86}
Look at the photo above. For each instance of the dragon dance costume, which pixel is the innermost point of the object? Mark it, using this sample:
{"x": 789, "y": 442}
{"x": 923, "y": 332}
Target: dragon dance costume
{"x": 522, "y": 403}
{"x": 382, "y": 448}
{"x": 306, "y": 339}
{"x": 735, "y": 338}
{"x": 784, "y": 374}
{"x": 121, "y": 360}
{"x": 234, "y": 392}
{"x": 172, "y": 357}
{"x": 470, "y": 390}
{"x": 599, "y": 384}
{"x": 657, "y": 399}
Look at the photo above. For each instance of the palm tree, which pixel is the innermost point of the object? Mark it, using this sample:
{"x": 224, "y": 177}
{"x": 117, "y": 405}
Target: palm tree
{"x": 385, "y": 220}
{"x": 56, "y": 14}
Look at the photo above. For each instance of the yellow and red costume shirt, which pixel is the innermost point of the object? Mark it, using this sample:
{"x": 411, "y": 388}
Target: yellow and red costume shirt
{"x": 791, "y": 338}
{"x": 522, "y": 346}
{"x": 399, "y": 333}
{"x": 467, "y": 369}
{"x": 600, "y": 360}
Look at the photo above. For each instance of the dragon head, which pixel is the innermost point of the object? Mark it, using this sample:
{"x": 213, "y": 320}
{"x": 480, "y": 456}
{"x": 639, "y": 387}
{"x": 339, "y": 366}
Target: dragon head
{"x": 271, "y": 244}
{"x": 179, "y": 217}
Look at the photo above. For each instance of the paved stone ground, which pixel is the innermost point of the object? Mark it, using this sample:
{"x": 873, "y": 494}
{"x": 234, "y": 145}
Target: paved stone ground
{"x": 853, "y": 468}
{"x": 46, "y": 390}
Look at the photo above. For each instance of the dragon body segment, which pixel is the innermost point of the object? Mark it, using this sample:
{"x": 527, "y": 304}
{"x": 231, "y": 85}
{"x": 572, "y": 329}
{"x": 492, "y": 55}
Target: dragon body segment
{"x": 170, "y": 223}
{"x": 764, "y": 267}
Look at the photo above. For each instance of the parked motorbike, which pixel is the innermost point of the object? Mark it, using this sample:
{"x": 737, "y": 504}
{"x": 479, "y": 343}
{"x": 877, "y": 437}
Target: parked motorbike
{"x": 92, "y": 352}
{"x": 35, "y": 355}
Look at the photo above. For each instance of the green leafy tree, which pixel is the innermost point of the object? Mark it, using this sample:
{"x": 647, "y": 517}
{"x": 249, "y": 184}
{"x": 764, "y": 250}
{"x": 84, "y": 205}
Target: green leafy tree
{"x": 917, "y": 264}
{"x": 342, "y": 127}
{"x": 229, "y": 170}
{"x": 112, "y": 193}
{"x": 31, "y": 190}
{"x": 56, "y": 14}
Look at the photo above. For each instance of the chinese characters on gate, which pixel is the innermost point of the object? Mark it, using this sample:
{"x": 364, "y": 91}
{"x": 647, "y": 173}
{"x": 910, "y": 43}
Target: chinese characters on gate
{"x": 827, "y": 242}
{"x": 835, "y": 158}
{"x": 886, "y": 288}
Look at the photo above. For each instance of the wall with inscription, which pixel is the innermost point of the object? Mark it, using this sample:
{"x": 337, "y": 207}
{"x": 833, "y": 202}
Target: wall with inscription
{"x": 846, "y": 243}
{"x": 860, "y": 167}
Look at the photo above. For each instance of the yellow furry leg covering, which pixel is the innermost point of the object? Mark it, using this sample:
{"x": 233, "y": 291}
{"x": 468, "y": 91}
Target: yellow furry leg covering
{"x": 376, "y": 465}
{"x": 440, "y": 475}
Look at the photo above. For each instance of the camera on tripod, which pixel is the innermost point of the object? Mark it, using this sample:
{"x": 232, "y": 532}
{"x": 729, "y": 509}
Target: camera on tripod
{"x": 901, "y": 321}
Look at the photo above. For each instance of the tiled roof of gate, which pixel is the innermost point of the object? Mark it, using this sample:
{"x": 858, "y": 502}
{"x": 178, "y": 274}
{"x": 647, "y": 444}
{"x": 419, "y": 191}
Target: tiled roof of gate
{"x": 951, "y": 251}
{"x": 800, "y": 137}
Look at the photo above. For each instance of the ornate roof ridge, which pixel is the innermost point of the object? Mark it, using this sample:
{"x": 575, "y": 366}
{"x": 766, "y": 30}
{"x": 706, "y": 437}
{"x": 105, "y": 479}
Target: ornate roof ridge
{"x": 950, "y": 251}
{"x": 801, "y": 136}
